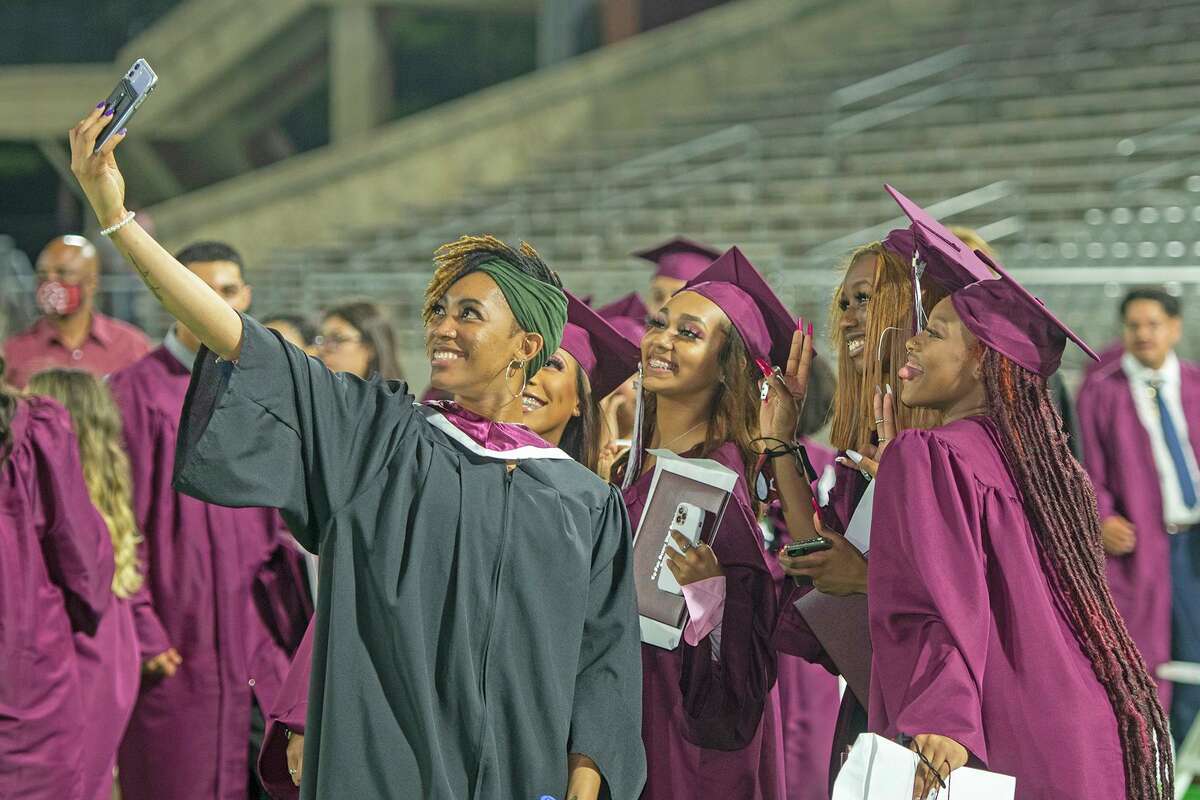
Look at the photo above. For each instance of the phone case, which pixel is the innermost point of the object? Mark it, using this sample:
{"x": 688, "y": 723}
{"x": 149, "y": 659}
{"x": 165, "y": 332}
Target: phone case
{"x": 131, "y": 92}
{"x": 689, "y": 521}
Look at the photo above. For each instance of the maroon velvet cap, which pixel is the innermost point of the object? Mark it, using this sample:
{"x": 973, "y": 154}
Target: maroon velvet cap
{"x": 1006, "y": 317}
{"x": 628, "y": 315}
{"x": 680, "y": 258}
{"x": 999, "y": 311}
{"x": 756, "y": 312}
{"x": 948, "y": 260}
{"x": 602, "y": 351}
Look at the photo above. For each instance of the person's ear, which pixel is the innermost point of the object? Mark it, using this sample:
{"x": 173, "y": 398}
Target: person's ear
{"x": 531, "y": 345}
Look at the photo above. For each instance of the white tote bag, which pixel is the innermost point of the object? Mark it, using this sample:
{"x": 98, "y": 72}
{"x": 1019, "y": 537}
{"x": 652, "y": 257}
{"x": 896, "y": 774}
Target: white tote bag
{"x": 879, "y": 769}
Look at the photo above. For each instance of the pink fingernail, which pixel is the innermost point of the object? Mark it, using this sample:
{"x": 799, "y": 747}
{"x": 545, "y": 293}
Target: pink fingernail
{"x": 765, "y": 366}
{"x": 810, "y": 329}
{"x": 800, "y": 324}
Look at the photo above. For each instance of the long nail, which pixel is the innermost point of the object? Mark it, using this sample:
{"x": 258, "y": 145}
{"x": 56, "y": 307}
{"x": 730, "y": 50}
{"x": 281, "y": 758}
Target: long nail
{"x": 800, "y": 324}
{"x": 810, "y": 329}
{"x": 889, "y": 388}
{"x": 855, "y": 456}
{"x": 878, "y": 389}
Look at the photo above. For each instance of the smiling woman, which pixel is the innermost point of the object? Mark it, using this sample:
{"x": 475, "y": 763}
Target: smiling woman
{"x": 435, "y": 523}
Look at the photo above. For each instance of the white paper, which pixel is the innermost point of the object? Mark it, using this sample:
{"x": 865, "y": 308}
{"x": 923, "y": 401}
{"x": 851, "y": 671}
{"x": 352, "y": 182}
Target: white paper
{"x": 880, "y": 769}
{"x": 858, "y": 532}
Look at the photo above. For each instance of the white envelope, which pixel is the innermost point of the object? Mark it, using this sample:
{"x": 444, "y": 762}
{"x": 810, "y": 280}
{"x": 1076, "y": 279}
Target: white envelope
{"x": 880, "y": 769}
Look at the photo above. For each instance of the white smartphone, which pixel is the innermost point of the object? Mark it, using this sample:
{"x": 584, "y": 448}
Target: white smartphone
{"x": 133, "y": 89}
{"x": 688, "y": 521}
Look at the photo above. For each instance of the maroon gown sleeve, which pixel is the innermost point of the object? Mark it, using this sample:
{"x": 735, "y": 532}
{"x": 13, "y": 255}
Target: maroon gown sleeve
{"x": 929, "y": 595}
{"x": 146, "y": 443}
{"x": 724, "y": 692}
{"x": 287, "y": 714}
{"x": 1092, "y": 424}
{"x": 75, "y": 539}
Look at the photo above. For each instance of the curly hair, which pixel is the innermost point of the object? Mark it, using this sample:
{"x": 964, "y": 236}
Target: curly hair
{"x": 466, "y": 254}
{"x": 97, "y": 424}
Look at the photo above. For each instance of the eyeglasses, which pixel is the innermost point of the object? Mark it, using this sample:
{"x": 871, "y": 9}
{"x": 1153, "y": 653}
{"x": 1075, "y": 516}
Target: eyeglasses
{"x": 332, "y": 343}
{"x": 764, "y": 483}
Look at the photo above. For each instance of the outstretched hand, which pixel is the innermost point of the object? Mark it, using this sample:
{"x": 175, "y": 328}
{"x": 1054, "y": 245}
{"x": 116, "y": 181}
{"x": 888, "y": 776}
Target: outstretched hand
{"x": 97, "y": 173}
{"x": 780, "y": 414}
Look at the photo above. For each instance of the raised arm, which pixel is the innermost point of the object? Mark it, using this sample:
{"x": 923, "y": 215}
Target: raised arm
{"x": 184, "y": 295}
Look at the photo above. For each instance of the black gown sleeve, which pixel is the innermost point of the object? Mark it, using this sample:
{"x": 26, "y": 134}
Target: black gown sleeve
{"x": 277, "y": 429}
{"x": 606, "y": 718}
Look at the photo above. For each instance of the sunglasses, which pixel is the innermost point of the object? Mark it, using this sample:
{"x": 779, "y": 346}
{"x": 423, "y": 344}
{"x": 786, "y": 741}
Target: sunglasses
{"x": 764, "y": 481}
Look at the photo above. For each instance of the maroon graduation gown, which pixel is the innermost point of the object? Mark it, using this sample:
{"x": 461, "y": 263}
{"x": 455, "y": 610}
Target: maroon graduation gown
{"x": 223, "y": 588}
{"x": 288, "y": 713}
{"x": 808, "y": 693}
{"x": 110, "y": 670}
{"x": 711, "y": 727}
{"x": 1117, "y": 456}
{"x": 56, "y": 568}
{"x": 968, "y": 637}
{"x": 794, "y": 638}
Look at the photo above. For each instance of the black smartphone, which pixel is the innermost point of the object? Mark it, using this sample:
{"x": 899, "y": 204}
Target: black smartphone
{"x": 133, "y": 89}
{"x": 808, "y": 547}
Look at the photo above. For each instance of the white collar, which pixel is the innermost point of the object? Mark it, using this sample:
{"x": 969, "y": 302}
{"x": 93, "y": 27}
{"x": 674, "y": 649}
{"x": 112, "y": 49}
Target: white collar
{"x": 523, "y": 453}
{"x": 177, "y": 348}
{"x": 1137, "y": 372}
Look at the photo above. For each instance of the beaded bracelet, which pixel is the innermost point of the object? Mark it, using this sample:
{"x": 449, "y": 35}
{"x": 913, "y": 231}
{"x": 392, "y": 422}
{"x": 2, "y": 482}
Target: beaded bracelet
{"x": 109, "y": 231}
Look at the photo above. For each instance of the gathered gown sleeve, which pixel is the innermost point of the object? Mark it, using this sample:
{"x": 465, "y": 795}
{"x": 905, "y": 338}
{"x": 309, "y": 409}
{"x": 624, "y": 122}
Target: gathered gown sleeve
{"x": 278, "y": 429}
{"x": 930, "y": 608}
{"x": 75, "y": 539}
{"x": 610, "y": 666}
{"x": 725, "y": 681}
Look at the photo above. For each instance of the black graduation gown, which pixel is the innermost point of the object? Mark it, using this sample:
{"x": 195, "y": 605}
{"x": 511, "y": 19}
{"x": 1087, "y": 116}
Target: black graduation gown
{"x": 474, "y": 625}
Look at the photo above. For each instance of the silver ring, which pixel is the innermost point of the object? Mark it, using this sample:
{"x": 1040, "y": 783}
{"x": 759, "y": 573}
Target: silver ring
{"x": 291, "y": 771}
{"x": 883, "y": 440}
{"x": 880, "y": 421}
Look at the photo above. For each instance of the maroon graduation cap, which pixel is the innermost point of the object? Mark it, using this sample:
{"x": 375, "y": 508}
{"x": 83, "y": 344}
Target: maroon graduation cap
{"x": 628, "y": 315}
{"x": 755, "y": 310}
{"x": 680, "y": 258}
{"x": 608, "y": 357}
{"x": 1006, "y": 317}
{"x": 1001, "y": 312}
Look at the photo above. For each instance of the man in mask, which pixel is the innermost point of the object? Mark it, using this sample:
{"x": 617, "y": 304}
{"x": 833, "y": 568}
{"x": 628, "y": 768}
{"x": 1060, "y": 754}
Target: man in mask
{"x": 71, "y": 333}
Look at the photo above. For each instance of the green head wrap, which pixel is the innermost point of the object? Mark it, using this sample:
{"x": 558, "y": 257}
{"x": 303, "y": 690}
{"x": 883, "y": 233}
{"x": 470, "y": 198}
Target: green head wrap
{"x": 538, "y": 306}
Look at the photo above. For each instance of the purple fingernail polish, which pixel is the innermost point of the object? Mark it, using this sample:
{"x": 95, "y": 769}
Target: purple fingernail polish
{"x": 110, "y": 112}
{"x": 101, "y": 104}
{"x": 121, "y": 132}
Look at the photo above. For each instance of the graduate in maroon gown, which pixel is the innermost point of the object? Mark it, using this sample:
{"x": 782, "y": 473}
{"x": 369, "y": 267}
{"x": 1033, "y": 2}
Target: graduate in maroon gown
{"x": 996, "y": 641}
{"x": 225, "y": 605}
{"x": 676, "y": 261}
{"x": 108, "y": 662}
{"x": 711, "y": 722}
{"x": 873, "y": 305}
{"x": 1141, "y": 456}
{"x": 56, "y": 570}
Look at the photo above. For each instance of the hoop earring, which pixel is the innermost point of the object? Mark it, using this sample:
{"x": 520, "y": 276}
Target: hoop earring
{"x": 524, "y": 377}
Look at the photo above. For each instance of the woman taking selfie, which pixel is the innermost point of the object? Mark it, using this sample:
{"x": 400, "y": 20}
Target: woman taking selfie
{"x": 457, "y": 652}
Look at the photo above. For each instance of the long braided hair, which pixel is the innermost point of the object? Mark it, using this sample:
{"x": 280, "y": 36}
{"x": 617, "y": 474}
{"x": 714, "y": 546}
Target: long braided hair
{"x": 1062, "y": 507}
{"x": 8, "y": 409}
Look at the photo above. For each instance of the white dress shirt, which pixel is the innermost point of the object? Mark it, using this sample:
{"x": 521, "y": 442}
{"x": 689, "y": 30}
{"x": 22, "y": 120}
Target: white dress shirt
{"x": 1175, "y": 512}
